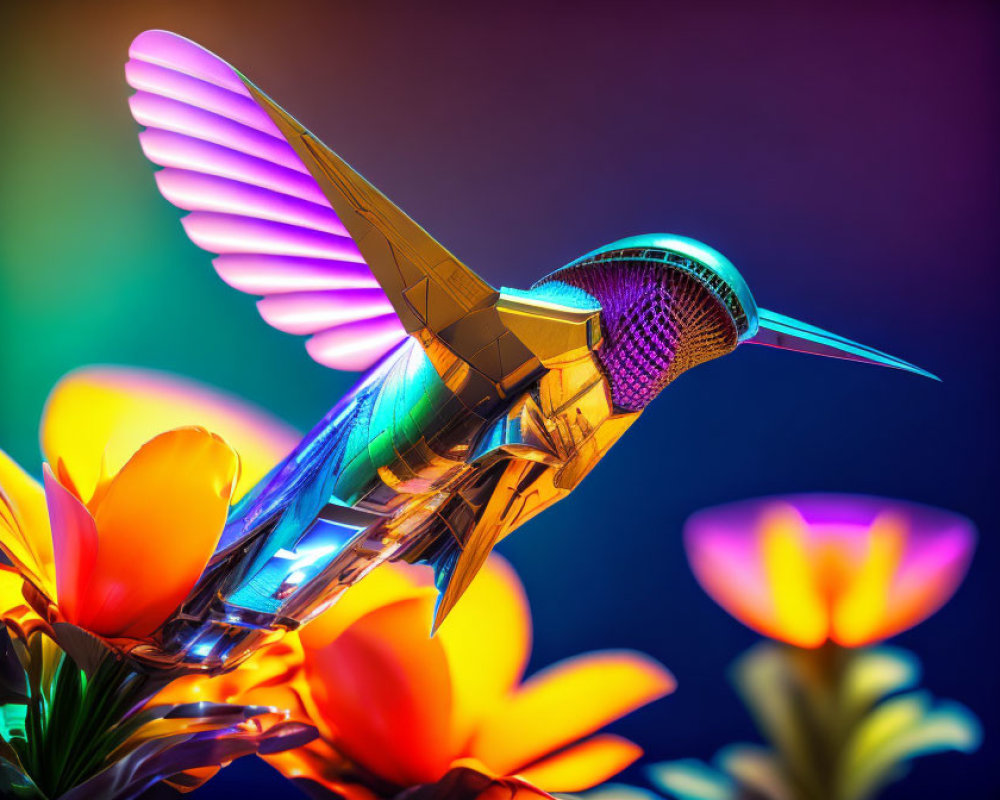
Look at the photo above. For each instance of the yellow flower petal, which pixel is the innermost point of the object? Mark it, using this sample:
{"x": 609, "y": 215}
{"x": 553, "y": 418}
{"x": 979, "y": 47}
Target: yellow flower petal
{"x": 584, "y": 765}
{"x": 24, "y": 525}
{"x": 319, "y": 762}
{"x": 566, "y": 702}
{"x": 14, "y": 609}
{"x": 381, "y": 587}
{"x": 861, "y": 608}
{"x": 110, "y": 412}
{"x": 11, "y": 596}
{"x": 272, "y": 676}
{"x": 157, "y": 525}
{"x": 487, "y": 639}
{"x": 801, "y": 614}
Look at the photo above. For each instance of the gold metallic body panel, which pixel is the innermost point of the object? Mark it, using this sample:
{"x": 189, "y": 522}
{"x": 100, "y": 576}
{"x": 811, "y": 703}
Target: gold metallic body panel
{"x": 495, "y": 352}
{"x": 547, "y": 448}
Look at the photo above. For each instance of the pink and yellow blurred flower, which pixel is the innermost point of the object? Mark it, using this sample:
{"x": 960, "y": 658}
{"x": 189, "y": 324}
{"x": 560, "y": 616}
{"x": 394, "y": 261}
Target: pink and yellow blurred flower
{"x": 404, "y": 714}
{"x": 133, "y": 499}
{"x": 807, "y": 569}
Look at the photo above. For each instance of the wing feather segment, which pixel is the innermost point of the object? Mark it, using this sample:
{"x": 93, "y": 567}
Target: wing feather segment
{"x": 333, "y": 258}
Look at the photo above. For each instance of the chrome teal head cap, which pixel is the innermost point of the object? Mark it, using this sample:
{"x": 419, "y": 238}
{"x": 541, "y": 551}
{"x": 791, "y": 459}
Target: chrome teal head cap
{"x": 705, "y": 263}
{"x": 754, "y": 325}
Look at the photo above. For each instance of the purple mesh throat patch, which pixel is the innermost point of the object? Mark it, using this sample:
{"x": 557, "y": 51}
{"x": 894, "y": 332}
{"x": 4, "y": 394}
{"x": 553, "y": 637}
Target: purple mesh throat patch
{"x": 657, "y": 322}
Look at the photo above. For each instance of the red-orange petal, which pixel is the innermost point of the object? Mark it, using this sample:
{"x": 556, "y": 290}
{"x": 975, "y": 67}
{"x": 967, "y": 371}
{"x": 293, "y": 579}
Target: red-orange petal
{"x": 383, "y": 687}
{"x": 158, "y": 524}
{"x": 383, "y": 586}
{"x": 566, "y": 702}
{"x": 74, "y": 539}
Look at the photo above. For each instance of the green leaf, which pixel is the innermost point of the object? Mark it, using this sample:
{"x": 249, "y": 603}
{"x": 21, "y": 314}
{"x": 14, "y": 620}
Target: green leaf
{"x": 613, "y": 791}
{"x": 64, "y": 718}
{"x": 897, "y": 731}
{"x": 786, "y": 692}
{"x": 690, "y": 779}
{"x": 756, "y": 768}
{"x": 12, "y": 717}
{"x": 874, "y": 673}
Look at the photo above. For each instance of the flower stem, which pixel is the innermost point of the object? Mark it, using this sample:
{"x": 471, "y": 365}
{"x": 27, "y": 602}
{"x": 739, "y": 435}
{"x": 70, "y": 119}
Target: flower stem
{"x": 73, "y": 722}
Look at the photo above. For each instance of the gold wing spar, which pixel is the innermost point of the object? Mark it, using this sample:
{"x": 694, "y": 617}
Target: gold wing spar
{"x": 288, "y": 219}
{"x": 427, "y": 286}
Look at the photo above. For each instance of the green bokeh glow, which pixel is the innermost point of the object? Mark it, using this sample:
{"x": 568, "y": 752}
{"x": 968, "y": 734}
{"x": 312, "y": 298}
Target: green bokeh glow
{"x": 94, "y": 267}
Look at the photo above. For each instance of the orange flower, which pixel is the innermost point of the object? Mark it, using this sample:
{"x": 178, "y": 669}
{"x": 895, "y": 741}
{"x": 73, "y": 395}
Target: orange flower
{"x": 133, "y": 502}
{"x": 463, "y": 783}
{"x": 810, "y": 568}
{"x": 397, "y": 709}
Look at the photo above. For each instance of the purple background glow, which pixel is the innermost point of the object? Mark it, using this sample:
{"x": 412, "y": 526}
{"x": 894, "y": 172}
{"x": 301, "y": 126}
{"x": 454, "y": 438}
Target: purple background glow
{"x": 844, "y": 157}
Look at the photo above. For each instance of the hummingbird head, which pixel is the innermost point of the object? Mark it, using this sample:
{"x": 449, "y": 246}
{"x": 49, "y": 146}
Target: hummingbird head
{"x": 669, "y": 303}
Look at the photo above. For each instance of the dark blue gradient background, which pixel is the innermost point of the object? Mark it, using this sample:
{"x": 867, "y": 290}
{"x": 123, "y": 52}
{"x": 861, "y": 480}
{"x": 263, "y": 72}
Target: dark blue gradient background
{"x": 843, "y": 156}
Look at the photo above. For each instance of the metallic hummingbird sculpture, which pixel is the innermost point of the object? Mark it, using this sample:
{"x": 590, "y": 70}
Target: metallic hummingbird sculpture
{"x": 480, "y": 407}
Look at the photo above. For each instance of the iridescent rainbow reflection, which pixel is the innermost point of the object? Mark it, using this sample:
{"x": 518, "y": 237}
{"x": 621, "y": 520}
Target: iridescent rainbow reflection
{"x": 805, "y": 569}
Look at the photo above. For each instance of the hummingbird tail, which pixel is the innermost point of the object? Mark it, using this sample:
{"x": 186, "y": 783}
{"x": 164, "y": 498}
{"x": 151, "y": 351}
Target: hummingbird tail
{"x": 454, "y": 569}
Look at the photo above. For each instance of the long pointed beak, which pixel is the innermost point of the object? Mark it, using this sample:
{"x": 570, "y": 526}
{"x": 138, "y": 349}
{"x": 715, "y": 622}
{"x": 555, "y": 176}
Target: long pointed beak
{"x": 785, "y": 333}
